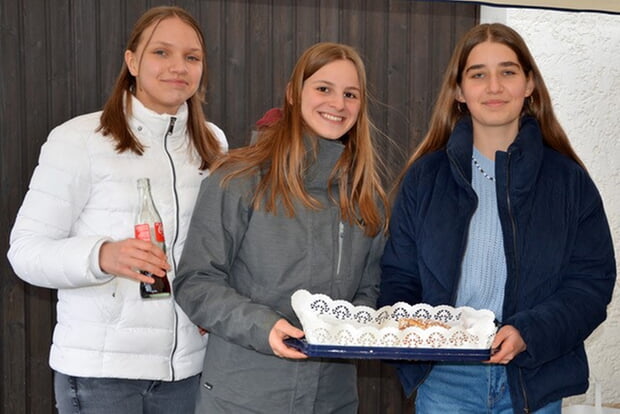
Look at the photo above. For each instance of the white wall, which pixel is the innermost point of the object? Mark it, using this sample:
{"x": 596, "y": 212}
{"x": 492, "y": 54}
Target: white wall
{"x": 579, "y": 57}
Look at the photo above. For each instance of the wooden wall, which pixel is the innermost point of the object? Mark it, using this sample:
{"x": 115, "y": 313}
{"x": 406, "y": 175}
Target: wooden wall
{"x": 60, "y": 58}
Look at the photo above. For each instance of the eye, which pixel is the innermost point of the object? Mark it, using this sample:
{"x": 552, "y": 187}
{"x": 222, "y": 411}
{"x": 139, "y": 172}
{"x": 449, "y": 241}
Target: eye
{"x": 350, "y": 95}
{"x": 159, "y": 52}
{"x": 194, "y": 58}
{"x": 323, "y": 89}
{"x": 477, "y": 75}
{"x": 509, "y": 72}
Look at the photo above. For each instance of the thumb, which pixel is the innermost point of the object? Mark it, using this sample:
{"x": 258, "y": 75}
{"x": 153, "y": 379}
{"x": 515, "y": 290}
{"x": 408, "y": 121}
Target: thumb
{"x": 290, "y": 330}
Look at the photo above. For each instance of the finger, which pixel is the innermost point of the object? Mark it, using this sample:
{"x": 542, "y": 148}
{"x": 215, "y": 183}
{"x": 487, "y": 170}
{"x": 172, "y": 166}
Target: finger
{"x": 136, "y": 275}
{"x": 147, "y": 262}
{"x": 290, "y": 353}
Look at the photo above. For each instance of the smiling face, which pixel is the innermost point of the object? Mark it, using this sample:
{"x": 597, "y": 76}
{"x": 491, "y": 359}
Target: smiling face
{"x": 167, "y": 65}
{"x": 494, "y": 88}
{"x": 330, "y": 99}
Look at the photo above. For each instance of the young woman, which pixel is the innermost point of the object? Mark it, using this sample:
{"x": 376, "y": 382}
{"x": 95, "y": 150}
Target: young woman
{"x": 495, "y": 210}
{"x": 114, "y": 352}
{"x": 302, "y": 208}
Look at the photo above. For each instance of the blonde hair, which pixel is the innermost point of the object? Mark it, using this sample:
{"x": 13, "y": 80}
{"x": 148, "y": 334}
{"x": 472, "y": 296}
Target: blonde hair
{"x": 279, "y": 153}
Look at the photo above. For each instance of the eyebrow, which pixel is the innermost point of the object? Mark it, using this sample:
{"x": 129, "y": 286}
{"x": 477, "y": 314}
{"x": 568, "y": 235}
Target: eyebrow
{"x": 507, "y": 64}
{"x": 332, "y": 84}
{"x": 168, "y": 44}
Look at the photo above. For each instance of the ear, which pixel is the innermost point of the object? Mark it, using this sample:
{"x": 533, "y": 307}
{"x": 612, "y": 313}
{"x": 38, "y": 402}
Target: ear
{"x": 131, "y": 62}
{"x": 459, "y": 95}
{"x": 529, "y": 88}
{"x": 289, "y": 94}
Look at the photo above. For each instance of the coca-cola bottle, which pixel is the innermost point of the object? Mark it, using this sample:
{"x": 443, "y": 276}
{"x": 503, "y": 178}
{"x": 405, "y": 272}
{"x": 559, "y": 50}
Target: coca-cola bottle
{"x": 148, "y": 227}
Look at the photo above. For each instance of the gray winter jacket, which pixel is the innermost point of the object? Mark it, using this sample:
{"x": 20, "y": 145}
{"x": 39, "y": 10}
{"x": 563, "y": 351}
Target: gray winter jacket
{"x": 236, "y": 276}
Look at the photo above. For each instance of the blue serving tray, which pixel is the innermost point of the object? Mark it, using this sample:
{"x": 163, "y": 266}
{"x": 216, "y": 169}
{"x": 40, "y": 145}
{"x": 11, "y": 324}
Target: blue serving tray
{"x": 378, "y": 352}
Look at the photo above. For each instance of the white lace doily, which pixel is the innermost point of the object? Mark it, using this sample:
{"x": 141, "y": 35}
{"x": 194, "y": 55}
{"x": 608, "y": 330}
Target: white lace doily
{"x": 338, "y": 322}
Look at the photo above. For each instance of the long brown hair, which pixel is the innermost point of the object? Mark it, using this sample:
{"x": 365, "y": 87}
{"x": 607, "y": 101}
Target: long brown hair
{"x": 279, "y": 153}
{"x": 114, "y": 116}
{"x": 448, "y": 111}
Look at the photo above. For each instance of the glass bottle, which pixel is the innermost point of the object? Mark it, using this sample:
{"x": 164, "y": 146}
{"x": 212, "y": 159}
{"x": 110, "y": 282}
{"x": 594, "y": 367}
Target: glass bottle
{"x": 148, "y": 227}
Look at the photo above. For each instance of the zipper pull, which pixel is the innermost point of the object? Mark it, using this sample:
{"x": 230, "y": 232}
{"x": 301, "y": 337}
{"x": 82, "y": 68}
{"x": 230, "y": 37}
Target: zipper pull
{"x": 171, "y": 126}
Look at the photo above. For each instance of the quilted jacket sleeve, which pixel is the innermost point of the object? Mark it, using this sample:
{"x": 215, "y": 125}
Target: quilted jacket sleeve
{"x": 42, "y": 250}
{"x": 202, "y": 284}
{"x": 580, "y": 304}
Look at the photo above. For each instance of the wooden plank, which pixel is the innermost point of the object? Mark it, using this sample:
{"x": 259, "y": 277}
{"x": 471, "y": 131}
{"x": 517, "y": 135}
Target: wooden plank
{"x": 422, "y": 99}
{"x": 109, "y": 37}
{"x": 400, "y": 72}
{"x": 61, "y": 67}
{"x": 259, "y": 69}
{"x": 12, "y": 111}
{"x": 353, "y": 24}
{"x": 86, "y": 57}
{"x": 330, "y": 22}
{"x": 236, "y": 84}
{"x": 283, "y": 49}
{"x": 210, "y": 17}
{"x": 307, "y": 26}
{"x": 39, "y": 304}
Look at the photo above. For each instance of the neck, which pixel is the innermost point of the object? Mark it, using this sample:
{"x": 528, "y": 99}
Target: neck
{"x": 490, "y": 140}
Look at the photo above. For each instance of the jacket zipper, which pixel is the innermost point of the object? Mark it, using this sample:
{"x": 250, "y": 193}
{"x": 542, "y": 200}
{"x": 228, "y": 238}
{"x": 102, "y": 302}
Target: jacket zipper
{"x": 515, "y": 263}
{"x": 173, "y": 240}
{"x": 464, "y": 240}
{"x": 340, "y": 243}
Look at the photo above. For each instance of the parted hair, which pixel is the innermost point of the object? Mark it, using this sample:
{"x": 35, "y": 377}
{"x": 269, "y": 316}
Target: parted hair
{"x": 279, "y": 154}
{"x": 113, "y": 120}
{"x": 447, "y": 110}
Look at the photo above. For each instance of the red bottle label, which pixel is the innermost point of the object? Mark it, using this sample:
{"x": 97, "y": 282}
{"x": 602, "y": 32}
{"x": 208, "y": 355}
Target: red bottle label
{"x": 142, "y": 232}
{"x": 159, "y": 232}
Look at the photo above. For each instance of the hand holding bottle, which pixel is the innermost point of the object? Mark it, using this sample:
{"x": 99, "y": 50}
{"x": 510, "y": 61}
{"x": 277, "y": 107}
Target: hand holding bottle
{"x": 125, "y": 257}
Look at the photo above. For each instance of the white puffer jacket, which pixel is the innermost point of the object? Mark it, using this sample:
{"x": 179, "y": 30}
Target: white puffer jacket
{"x": 82, "y": 193}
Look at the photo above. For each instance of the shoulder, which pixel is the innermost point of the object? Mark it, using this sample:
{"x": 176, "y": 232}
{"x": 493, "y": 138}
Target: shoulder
{"x": 563, "y": 168}
{"x": 564, "y": 174}
{"x": 81, "y": 124}
{"x": 224, "y": 179}
{"x": 428, "y": 166}
{"x": 73, "y": 135}
{"x": 76, "y": 129}
{"x": 219, "y": 135}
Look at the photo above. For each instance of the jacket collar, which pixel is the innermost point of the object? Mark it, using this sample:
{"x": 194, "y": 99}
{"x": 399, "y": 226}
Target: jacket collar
{"x": 525, "y": 153}
{"x": 321, "y": 163}
{"x": 157, "y": 125}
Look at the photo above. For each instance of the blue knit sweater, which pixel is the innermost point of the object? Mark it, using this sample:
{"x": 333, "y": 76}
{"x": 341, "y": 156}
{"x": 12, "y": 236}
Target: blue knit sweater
{"x": 483, "y": 274}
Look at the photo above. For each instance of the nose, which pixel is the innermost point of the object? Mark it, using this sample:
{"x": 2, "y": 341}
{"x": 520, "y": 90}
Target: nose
{"x": 337, "y": 101}
{"x": 178, "y": 64}
{"x": 495, "y": 84}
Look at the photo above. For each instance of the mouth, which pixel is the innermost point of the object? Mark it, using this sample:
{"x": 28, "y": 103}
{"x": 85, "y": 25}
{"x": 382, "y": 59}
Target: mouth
{"x": 494, "y": 103}
{"x": 178, "y": 82}
{"x": 331, "y": 117}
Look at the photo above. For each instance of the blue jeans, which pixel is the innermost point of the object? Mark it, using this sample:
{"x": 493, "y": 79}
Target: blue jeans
{"x": 469, "y": 389}
{"x": 78, "y": 395}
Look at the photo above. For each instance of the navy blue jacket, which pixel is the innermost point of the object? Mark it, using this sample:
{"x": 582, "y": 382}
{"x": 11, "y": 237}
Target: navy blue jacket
{"x": 559, "y": 254}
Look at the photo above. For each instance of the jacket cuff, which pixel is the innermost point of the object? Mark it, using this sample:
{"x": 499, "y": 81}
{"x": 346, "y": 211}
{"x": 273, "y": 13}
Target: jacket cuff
{"x": 93, "y": 260}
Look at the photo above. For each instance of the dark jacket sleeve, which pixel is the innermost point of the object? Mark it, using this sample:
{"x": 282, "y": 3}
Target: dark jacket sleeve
{"x": 400, "y": 279}
{"x": 559, "y": 324}
{"x": 202, "y": 285}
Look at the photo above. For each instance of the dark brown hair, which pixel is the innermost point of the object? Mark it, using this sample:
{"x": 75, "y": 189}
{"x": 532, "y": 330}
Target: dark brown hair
{"x": 447, "y": 112}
